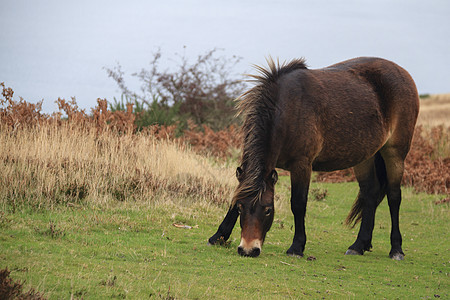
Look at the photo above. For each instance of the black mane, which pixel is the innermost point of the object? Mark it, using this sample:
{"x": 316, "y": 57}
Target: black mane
{"x": 258, "y": 106}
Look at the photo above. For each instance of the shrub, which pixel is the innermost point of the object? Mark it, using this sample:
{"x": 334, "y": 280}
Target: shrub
{"x": 202, "y": 91}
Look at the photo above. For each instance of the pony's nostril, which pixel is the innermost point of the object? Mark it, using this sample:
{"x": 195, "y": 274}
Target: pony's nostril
{"x": 255, "y": 252}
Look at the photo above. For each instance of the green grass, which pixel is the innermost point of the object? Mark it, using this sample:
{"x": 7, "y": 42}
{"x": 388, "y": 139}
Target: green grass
{"x": 132, "y": 250}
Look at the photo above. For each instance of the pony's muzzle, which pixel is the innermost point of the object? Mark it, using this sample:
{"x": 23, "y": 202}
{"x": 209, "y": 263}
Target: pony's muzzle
{"x": 252, "y": 249}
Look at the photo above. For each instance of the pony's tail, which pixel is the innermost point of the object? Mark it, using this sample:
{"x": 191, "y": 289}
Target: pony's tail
{"x": 354, "y": 217}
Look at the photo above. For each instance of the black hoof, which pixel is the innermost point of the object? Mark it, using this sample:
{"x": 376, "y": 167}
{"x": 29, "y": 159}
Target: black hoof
{"x": 219, "y": 241}
{"x": 397, "y": 256}
{"x": 216, "y": 239}
{"x": 352, "y": 252}
{"x": 212, "y": 242}
{"x": 294, "y": 253}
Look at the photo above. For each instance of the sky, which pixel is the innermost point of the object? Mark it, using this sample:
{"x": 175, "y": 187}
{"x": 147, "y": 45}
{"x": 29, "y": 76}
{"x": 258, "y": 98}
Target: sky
{"x": 55, "y": 48}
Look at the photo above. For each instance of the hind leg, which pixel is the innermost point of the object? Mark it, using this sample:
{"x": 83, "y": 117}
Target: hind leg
{"x": 394, "y": 169}
{"x": 369, "y": 195}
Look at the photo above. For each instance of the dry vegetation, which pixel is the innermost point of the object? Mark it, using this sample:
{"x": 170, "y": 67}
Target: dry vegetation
{"x": 435, "y": 110}
{"x": 65, "y": 163}
{"x": 48, "y": 159}
{"x": 10, "y": 289}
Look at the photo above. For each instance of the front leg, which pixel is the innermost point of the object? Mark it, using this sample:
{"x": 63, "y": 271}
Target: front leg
{"x": 299, "y": 196}
{"x": 226, "y": 227}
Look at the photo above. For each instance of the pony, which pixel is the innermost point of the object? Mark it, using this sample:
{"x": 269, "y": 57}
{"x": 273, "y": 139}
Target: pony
{"x": 359, "y": 113}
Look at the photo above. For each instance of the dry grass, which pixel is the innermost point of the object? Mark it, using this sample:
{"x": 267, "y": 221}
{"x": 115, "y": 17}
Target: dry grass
{"x": 435, "y": 111}
{"x": 47, "y": 164}
{"x": 46, "y": 159}
{"x": 434, "y": 118}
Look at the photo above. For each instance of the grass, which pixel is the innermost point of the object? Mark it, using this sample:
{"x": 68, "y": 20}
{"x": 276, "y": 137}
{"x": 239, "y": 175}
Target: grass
{"x": 434, "y": 110}
{"x": 130, "y": 249}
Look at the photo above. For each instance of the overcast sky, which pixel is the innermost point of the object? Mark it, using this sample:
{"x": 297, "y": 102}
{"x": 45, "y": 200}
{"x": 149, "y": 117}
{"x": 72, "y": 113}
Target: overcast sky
{"x": 55, "y": 48}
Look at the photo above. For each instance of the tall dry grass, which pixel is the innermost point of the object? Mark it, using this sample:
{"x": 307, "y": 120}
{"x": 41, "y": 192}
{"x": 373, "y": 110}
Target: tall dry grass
{"x": 434, "y": 120}
{"x": 435, "y": 111}
{"x": 60, "y": 163}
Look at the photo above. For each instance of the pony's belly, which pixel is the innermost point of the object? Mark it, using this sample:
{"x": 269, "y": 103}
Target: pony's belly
{"x": 337, "y": 164}
{"x": 347, "y": 151}
{"x": 329, "y": 166}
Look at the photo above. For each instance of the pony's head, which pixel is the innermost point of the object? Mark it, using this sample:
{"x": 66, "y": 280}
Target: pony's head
{"x": 256, "y": 210}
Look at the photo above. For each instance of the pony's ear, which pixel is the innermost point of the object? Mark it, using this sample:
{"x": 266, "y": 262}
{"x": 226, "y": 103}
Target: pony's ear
{"x": 274, "y": 177}
{"x": 239, "y": 172}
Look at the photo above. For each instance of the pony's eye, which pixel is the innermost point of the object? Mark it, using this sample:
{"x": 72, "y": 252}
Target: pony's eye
{"x": 268, "y": 211}
{"x": 240, "y": 208}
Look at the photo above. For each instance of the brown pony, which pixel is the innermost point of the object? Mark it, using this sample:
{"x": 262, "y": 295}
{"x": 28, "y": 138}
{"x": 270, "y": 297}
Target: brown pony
{"x": 359, "y": 113}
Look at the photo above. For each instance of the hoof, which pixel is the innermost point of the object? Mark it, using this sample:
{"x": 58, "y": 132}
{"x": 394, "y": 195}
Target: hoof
{"x": 397, "y": 256}
{"x": 216, "y": 240}
{"x": 294, "y": 253}
{"x": 221, "y": 241}
{"x": 352, "y": 252}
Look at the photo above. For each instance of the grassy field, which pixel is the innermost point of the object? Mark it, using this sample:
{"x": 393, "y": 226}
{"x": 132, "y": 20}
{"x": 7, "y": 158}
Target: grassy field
{"x": 132, "y": 250}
